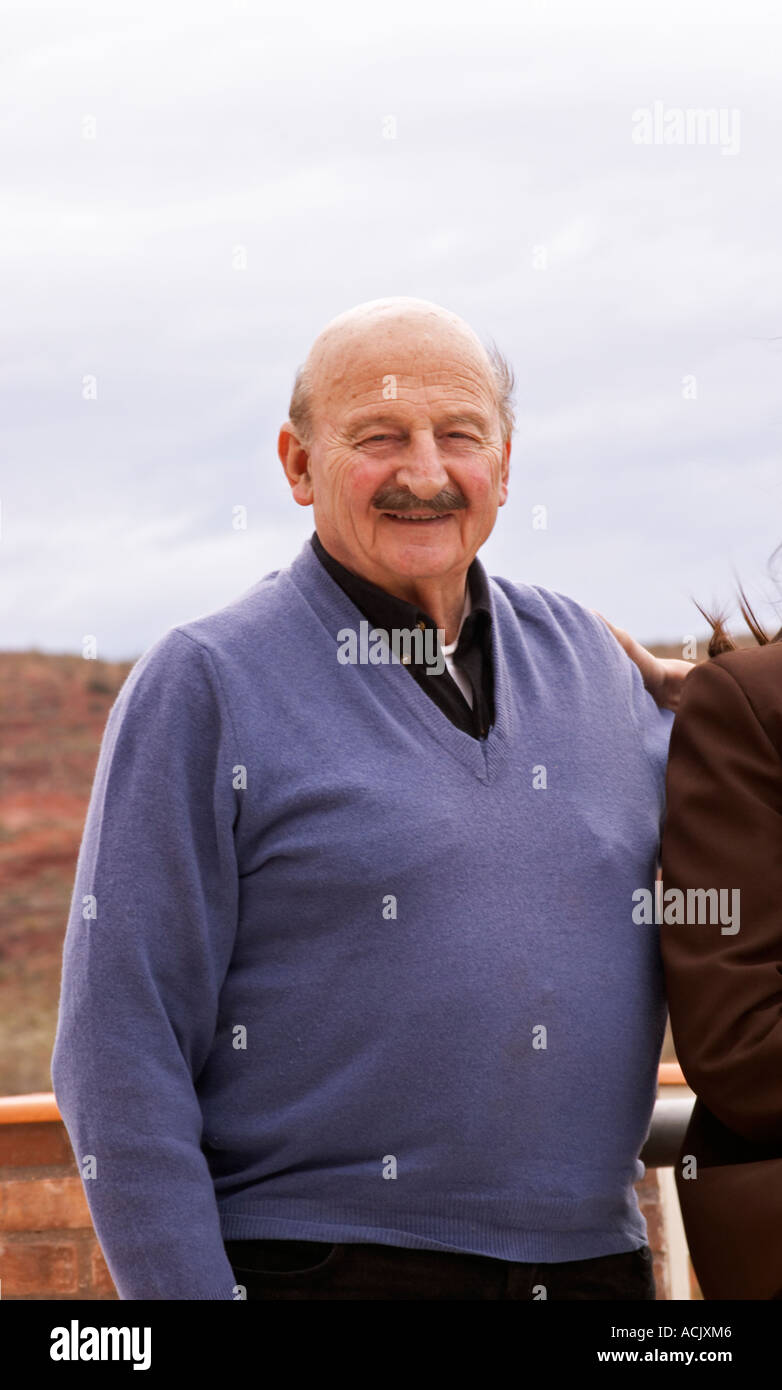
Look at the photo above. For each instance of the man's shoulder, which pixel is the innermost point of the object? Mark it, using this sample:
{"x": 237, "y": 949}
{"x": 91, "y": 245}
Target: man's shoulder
{"x": 555, "y": 612}
{"x": 201, "y": 644}
{"x": 576, "y": 639}
{"x": 254, "y": 611}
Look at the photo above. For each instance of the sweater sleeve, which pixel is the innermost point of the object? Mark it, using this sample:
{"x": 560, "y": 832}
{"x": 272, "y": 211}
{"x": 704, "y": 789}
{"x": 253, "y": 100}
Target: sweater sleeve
{"x": 724, "y": 830}
{"x": 148, "y": 943}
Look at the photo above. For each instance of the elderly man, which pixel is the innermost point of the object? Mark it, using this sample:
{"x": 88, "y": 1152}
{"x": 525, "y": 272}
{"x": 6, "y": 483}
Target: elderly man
{"x": 353, "y": 1005}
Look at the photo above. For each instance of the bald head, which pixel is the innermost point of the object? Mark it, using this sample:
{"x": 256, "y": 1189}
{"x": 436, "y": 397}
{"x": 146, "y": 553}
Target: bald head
{"x": 399, "y": 438}
{"x": 393, "y": 325}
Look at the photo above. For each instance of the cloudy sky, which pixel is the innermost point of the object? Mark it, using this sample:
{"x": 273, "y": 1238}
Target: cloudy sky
{"x": 191, "y": 191}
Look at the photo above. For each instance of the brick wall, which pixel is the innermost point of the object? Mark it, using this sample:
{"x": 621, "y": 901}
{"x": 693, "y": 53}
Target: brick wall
{"x": 48, "y": 1249}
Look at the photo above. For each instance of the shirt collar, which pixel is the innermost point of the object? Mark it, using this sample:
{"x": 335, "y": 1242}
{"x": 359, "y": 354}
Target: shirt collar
{"x": 388, "y": 611}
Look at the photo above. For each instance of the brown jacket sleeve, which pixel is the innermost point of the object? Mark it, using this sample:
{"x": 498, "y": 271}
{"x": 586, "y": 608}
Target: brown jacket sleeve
{"x": 723, "y": 829}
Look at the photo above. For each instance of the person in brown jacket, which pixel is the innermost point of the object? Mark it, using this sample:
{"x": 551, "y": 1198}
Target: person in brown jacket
{"x": 723, "y": 830}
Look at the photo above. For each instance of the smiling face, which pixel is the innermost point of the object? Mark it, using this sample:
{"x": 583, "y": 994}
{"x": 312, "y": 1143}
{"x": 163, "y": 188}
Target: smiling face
{"x": 407, "y": 465}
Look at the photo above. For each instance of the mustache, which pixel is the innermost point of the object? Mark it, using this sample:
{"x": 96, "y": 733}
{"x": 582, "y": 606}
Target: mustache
{"x": 392, "y": 500}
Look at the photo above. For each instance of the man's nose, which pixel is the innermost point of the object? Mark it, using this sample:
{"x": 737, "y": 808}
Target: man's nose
{"x": 422, "y": 471}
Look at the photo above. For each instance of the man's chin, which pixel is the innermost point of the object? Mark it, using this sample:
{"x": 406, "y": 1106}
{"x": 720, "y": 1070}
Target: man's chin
{"x": 419, "y": 558}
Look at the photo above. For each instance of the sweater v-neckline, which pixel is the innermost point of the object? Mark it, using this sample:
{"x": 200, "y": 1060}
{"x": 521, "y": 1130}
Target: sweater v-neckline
{"x": 482, "y": 757}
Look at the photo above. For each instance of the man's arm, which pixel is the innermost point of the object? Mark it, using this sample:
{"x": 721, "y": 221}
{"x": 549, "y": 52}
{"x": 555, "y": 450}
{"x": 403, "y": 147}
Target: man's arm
{"x": 149, "y": 939}
{"x": 724, "y": 830}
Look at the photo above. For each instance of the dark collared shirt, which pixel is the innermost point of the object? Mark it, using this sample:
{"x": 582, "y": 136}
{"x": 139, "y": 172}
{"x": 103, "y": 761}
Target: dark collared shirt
{"x": 473, "y": 653}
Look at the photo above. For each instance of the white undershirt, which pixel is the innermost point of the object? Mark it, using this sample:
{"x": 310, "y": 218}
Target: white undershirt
{"x": 461, "y": 679}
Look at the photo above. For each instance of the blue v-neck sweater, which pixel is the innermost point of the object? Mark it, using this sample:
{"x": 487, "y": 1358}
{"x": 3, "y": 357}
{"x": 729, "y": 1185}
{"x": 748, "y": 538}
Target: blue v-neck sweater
{"x": 335, "y": 970}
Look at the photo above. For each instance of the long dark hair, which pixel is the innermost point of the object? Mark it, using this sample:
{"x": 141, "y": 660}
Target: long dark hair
{"x": 721, "y": 640}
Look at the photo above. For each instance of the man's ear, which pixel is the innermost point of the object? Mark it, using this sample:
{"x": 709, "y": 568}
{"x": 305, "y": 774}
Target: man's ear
{"x": 296, "y": 462}
{"x": 504, "y": 472}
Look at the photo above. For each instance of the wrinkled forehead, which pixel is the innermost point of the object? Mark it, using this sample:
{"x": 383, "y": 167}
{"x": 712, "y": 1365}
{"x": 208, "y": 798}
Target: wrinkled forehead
{"x": 367, "y": 362}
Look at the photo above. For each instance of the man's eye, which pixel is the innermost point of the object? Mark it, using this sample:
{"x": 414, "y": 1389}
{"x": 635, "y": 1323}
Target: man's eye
{"x": 372, "y": 438}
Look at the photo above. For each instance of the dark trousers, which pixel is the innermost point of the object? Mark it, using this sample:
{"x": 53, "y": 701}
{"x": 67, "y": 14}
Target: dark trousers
{"x": 308, "y": 1269}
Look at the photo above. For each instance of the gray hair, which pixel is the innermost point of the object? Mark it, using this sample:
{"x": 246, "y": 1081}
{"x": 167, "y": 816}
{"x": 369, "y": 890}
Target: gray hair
{"x": 300, "y": 408}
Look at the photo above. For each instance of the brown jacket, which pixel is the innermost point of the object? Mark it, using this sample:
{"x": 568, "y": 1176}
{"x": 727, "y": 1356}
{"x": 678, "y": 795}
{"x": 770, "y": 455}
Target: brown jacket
{"x": 723, "y": 829}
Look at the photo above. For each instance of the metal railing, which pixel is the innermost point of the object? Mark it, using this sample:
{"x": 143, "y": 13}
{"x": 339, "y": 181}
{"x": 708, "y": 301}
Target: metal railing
{"x": 664, "y": 1140}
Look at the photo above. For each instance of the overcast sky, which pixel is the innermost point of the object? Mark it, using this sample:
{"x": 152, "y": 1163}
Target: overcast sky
{"x": 191, "y": 191}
